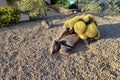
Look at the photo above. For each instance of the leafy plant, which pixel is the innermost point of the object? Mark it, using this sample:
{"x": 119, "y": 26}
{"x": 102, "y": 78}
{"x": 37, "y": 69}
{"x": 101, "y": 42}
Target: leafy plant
{"x": 100, "y": 5}
{"x": 34, "y": 8}
{"x": 64, "y": 3}
{"x": 91, "y": 5}
{"x": 9, "y": 16}
{"x": 114, "y": 5}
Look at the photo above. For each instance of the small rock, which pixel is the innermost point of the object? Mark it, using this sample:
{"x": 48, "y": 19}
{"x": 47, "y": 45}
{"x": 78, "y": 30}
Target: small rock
{"x": 13, "y": 56}
{"x": 74, "y": 12}
{"x": 113, "y": 65}
{"x": 46, "y": 24}
{"x": 82, "y": 10}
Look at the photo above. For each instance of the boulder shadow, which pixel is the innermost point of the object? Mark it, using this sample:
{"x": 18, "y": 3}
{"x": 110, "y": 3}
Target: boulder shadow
{"x": 79, "y": 47}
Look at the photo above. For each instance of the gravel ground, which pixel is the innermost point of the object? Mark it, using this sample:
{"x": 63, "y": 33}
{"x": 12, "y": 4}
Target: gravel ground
{"x": 25, "y": 52}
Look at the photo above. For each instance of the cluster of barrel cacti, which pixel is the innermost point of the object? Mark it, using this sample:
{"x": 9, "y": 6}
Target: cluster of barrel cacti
{"x": 84, "y": 25}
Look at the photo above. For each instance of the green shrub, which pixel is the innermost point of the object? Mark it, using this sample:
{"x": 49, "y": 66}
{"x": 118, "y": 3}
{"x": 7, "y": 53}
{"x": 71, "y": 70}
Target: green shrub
{"x": 114, "y": 6}
{"x": 64, "y": 3}
{"x": 90, "y": 5}
{"x": 34, "y": 8}
{"x": 100, "y": 5}
{"x": 9, "y": 16}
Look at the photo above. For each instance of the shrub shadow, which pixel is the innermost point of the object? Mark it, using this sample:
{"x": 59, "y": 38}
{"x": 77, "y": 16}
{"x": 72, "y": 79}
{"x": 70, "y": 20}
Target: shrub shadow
{"x": 23, "y": 24}
{"x": 56, "y": 25}
{"x": 55, "y": 16}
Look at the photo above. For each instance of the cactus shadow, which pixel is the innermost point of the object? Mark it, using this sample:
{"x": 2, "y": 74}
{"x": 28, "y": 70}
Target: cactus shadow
{"x": 110, "y": 31}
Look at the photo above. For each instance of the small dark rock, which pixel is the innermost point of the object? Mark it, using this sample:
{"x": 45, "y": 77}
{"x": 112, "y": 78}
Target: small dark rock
{"x": 13, "y": 78}
{"x": 13, "y": 56}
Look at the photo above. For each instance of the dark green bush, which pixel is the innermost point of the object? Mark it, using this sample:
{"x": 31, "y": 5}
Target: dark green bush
{"x": 9, "y": 16}
{"x": 63, "y": 3}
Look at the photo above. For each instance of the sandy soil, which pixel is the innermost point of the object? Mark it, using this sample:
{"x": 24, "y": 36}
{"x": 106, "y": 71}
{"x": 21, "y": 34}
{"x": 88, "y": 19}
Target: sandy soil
{"x": 25, "y": 52}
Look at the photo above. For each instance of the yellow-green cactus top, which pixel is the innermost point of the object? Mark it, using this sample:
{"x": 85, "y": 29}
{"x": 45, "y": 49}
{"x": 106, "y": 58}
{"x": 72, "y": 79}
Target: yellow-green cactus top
{"x": 80, "y": 27}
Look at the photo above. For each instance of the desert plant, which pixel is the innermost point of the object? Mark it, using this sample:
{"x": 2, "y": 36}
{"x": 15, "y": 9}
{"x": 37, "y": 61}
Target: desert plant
{"x": 100, "y": 5}
{"x": 34, "y": 8}
{"x": 91, "y": 5}
{"x": 63, "y": 3}
{"x": 114, "y": 5}
{"x": 9, "y": 16}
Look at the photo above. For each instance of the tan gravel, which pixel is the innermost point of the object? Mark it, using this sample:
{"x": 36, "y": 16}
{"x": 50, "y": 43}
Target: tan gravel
{"x": 25, "y": 54}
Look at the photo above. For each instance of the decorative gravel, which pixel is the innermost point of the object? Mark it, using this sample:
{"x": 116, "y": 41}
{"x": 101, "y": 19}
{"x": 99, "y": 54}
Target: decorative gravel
{"x": 25, "y": 52}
